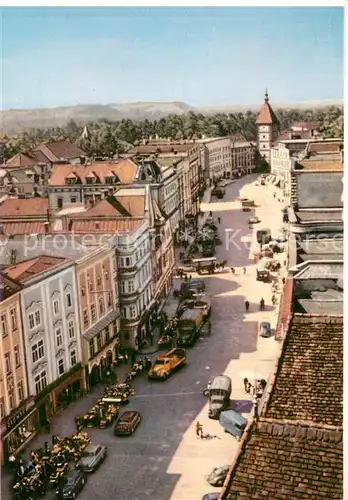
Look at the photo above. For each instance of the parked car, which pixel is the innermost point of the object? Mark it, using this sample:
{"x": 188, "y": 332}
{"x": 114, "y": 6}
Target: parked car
{"x": 211, "y": 496}
{"x": 196, "y": 286}
{"x": 72, "y": 484}
{"x": 254, "y": 220}
{"x": 233, "y": 422}
{"x": 127, "y": 423}
{"x": 265, "y": 329}
{"x": 218, "y": 475}
{"x": 92, "y": 457}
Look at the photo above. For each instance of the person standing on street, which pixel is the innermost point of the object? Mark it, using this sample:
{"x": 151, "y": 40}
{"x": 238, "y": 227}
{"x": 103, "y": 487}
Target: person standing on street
{"x": 199, "y": 429}
{"x": 247, "y": 305}
{"x": 233, "y": 270}
{"x": 244, "y": 270}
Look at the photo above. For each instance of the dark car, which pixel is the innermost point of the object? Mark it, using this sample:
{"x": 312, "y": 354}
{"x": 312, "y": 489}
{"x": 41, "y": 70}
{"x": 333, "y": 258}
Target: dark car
{"x": 127, "y": 423}
{"x": 92, "y": 457}
{"x": 72, "y": 484}
{"x": 265, "y": 329}
{"x": 193, "y": 285}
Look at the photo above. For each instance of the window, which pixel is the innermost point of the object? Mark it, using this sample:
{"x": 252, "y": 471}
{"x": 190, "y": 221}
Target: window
{"x": 132, "y": 311}
{"x": 40, "y": 382}
{"x": 107, "y": 334}
{"x": 124, "y": 312}
{"x": 17, "y": 355}
{"x": 130, "y": 286}
{"x": 83, "y": 291}
{"x": 99, "y": 342}
{"x": 90, "y": 285}
{"x": 109, "y": 300}
{"x": 61, "y": 366}
{"x": 13, "y": 319}
{"x": 99, "y": 280}
{"x": 93, "y": 313}
{"x": 60, "y": 201}
{"x": 106, "y": 274}
{"x": 20, "y": 391}
{"x": 37, "y": 318}
{"x": 73, "y": 199}
{"x": 59, "y": 337}
{"x": 68, "y": 300}
{"x": 101, "y": 305}
{"x": 11, "y": 396}
{"x": 37, "y": 351}
{"x": 91, "y": 348}
{"x": 4, "y": 329}
{"x": 71, "y": 329}
{"x": 85, "y": 318}
{"x": 73, "y": 359}
{"x": 8, "y": 363}
{"x": 2, "y": 409}
{"x": 56, "y": 306}
{"x": 123, "y": 287}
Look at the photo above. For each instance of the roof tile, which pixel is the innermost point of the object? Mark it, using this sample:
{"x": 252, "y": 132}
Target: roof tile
{"x": 105, "y": 226}
{"x": 14, "y": 207}
{"x": 125, "y": 170}
{"x": 27, "y": 269}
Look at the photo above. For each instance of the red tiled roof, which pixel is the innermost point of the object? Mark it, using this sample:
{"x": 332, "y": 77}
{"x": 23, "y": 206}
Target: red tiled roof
{"x": 267, "y": 115}
{"x": 27, "y": 269}
{"x": 285, "y": 309}
{"x": 110, "y": 226}
{"x": 325, "y": 147}
{"x": 125, "y": 170}
{"x": 282, "y": 460}
{"x": 306, "y": 125}
{"x": 14, "y": 207}
{"x": 309, "y": 381}
{"x": 20, "y": 160}
{"x": 58, "y": 150}
{"x": 13, "y": 228}
{"x": 160, "y": 148}
{"x": 321, "y": 165}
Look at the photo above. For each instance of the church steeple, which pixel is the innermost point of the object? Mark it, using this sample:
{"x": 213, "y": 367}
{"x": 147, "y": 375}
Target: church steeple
{"x": 266, "y": 96}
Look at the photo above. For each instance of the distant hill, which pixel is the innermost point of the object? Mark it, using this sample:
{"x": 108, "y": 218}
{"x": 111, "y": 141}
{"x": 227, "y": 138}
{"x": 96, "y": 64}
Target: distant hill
{"x": 17, "y": 120}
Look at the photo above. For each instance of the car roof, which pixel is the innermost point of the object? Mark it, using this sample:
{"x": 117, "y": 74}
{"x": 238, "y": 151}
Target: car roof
{"x": 128, "y": 414}
{"x": 92, "y": 448}
{"x": 265, "y": 323}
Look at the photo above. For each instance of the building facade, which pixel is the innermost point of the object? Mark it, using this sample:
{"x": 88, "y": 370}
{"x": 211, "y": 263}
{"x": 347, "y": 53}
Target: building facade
{"x": 99, "y": 312}
{"x": 51, "y": 331}
{"x": 243, "y": 159}
{"x": 18, "y": 415}
{"x": 219, "y": 157}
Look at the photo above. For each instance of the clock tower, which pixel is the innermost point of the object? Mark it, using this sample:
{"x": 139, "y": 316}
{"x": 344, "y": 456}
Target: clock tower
{"x": 268, "y": 128}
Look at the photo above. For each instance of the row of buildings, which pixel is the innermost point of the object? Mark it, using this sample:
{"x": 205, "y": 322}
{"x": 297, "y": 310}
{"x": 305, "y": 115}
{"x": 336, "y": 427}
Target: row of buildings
{"x": 294, "y": 448}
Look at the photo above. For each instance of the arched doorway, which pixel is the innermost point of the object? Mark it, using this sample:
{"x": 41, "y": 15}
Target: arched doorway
{"x": 109, "y": 358}
{"x": 94, "y": 376}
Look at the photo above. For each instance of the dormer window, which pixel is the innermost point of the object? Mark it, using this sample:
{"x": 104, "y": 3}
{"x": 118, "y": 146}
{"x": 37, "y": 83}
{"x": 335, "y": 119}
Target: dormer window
{"x": 90, "y": 178}
{"x": 71, "y": 179}
{"x": 109, "y": 180}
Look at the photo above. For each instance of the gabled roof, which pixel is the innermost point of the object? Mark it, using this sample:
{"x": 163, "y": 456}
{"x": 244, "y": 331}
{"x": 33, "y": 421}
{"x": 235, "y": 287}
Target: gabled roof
{"x": 308, "y": 384}
{"x": 124, "y": 169}
{"x": 20, "y": 160}
{"x": 27, "y": 269}
{"x": 267, "y": 115}
{"x": 23, "y": 228}
{"x": 118, "y": 206}
{"x": 58, "y": 150}
{"x": 13, "y": 207}
{"x": 105, "y": 226}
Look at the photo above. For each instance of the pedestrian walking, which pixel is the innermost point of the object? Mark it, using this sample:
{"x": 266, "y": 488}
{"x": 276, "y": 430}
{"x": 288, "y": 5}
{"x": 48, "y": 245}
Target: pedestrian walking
{"x": 247, "y": 305}
{"x": 244, "y": 270}
{"x": 199, "y": 429}
{"x": 233, "y": 270}
{"x": 262, "y": 305}
{"x": 219, "y": 220}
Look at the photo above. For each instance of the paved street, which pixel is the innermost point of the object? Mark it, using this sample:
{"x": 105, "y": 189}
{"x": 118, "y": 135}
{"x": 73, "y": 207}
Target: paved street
{"x": 164, "y": 460}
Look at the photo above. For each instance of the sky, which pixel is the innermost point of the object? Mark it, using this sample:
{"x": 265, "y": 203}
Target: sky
{"x": 202, "y": 56}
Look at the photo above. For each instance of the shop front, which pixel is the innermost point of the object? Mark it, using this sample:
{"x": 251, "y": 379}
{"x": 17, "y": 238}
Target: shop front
{"x": 18, "y": 429}
{"x": 96, "y": 369}
{"x": 68, "y": 389}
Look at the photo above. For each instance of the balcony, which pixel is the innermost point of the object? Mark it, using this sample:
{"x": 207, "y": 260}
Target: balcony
{"x": 127, "y": 270}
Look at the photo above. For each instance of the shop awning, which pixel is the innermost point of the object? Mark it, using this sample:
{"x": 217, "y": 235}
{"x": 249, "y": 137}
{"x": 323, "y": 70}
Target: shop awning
{"x": 93, "y": 332}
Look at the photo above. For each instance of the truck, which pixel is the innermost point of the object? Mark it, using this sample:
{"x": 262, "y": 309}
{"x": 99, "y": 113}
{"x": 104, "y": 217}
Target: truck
{"x": 166, "y": 364}
{"x": 170, "y": 307}
{"x": 189, "y": 326}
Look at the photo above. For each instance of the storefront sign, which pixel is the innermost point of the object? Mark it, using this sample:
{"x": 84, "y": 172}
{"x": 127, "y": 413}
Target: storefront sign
{"x": 16, "y": 419}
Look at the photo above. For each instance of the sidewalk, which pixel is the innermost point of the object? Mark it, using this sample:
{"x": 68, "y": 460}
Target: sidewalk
{"x": 63, "y": 424}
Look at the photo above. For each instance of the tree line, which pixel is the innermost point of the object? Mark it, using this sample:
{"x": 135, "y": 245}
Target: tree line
{"x": 105, "y": 138}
